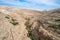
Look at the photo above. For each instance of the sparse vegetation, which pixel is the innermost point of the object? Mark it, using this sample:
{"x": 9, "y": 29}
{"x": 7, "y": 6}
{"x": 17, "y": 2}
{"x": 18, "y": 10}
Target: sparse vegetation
{"x": 28, "y": 27}
{"x": 7, "y": 17}
{"x": 55, "y": 26}
{"x": 14, "y": 21}
{"x": 57, "y": 20}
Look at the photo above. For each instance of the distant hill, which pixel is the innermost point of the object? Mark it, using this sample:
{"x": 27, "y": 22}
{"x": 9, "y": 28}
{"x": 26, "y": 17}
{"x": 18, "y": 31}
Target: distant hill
{"x": 26, "y": 24}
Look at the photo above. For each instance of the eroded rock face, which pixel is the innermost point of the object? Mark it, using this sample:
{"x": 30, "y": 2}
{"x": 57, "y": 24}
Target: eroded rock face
{"x": 11, "y": 28}
{"x": 24, "y": 24}
{"x": 41, "y": 32}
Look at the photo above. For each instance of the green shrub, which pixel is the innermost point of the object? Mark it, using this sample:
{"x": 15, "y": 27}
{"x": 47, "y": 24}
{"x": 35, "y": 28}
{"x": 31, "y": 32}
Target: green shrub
{"x": 57, "y": 19}
{"x": 55, "y": 26}
{"x": 28, "y": 27}
{"x": 14, "y": 22}
{"x": 7, "y": 17}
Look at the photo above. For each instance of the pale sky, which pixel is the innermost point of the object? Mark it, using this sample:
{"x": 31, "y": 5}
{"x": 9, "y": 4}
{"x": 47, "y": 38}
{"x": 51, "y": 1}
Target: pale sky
{"x": 32, "y": 4}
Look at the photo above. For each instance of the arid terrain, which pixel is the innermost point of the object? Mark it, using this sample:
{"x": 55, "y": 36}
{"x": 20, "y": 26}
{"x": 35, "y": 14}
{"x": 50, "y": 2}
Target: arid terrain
{"x": 26, "y": 24}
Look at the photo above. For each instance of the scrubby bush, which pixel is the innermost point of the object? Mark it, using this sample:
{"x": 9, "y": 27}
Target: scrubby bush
{"x": 57, "y": 20}
{"x": 7, "y": 17}
{"x": 57, "y": 25}
{"x": 28, "y": 27}
{"x": 14, "y": 22}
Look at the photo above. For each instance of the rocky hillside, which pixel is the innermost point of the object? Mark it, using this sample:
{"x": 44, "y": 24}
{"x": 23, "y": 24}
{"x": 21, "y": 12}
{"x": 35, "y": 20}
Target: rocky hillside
{"x": 25, "y": 24}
